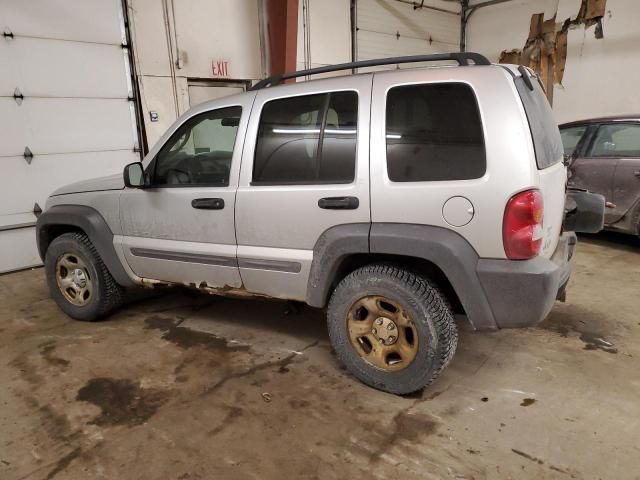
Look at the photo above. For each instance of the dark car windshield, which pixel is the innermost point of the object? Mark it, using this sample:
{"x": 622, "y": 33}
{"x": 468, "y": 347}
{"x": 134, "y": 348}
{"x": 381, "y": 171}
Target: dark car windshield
{"x": 544, "y": 129}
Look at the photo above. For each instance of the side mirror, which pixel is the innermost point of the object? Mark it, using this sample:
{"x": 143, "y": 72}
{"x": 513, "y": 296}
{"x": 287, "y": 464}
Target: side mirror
{"x": 134, "y": 175}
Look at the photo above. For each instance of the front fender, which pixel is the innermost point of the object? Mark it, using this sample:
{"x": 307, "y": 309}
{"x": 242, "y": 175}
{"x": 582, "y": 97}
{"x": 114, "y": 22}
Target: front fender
{"x": 80, "y": 217}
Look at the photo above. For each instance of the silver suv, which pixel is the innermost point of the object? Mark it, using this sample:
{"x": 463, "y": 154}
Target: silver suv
{"x": 392, "y": 199}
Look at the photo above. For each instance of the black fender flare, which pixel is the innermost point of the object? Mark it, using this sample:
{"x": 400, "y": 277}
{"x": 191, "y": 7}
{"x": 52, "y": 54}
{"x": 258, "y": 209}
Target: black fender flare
{"x": 92, "y": 224}
{"x": 331, "y": 249}
{"x": 446, "y": 249}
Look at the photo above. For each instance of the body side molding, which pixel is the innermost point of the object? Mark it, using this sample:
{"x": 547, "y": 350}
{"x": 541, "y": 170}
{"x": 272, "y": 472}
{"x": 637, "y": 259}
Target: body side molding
{"x": 217, "y": 260}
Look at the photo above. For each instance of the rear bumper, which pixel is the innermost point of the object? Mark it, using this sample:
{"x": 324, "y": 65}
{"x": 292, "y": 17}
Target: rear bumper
{"x": 522, "y": 293}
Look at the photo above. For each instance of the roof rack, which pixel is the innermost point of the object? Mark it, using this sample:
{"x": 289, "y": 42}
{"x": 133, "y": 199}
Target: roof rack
{"x": 461, "y": 57}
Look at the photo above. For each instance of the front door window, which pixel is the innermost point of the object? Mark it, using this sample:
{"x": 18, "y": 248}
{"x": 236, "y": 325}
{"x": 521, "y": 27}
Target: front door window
{"x": 200, "y": 151}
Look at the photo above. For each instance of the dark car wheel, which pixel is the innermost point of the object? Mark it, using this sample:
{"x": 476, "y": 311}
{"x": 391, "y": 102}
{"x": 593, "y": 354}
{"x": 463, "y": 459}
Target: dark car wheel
{"x": 391, "y": 328}
{"x": 78, "y": 280}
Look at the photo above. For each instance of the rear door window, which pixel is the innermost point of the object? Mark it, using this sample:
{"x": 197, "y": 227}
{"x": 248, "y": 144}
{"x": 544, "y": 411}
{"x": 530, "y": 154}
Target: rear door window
{"x": 544, "y": 129}
{"x": 434, "y": 133}
{"x": 307, "y": 139}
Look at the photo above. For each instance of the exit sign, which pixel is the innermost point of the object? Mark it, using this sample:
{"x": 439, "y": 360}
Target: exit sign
{"x": 220, "y": 68}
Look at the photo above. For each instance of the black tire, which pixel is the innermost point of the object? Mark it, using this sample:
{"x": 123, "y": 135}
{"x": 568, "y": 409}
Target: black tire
{"x": 106, "y": 296}
{"x": 431, "y": 315}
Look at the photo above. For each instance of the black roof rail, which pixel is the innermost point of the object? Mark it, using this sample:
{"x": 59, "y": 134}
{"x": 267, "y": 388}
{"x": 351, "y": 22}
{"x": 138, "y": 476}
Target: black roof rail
{"x": 461, "y": 57}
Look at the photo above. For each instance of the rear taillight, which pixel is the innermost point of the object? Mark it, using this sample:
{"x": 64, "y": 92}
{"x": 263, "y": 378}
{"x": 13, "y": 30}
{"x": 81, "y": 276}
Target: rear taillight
{"x": 522, "y": 225}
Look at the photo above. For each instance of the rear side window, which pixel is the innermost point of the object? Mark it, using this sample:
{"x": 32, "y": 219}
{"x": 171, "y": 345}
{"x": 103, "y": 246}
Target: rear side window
{"x": 616, "y": 140}
{"x": 544, "y": 129}
{"x": 571, "y": 137}
{"x": 434, "y": 133}
{"x": 307, "y": 139}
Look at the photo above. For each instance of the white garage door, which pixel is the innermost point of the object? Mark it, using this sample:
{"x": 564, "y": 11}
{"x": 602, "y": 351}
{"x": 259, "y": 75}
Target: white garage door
{"x": 388, "y": 28}
{"x": 67, "y": 62}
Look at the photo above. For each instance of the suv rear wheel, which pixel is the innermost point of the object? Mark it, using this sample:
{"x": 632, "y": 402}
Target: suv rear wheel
{"x": 391, "y": 328}
{"x": 78, "y": 280}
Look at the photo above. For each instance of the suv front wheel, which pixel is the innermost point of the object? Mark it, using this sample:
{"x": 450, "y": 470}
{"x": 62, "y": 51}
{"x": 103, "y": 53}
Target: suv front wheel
{"x": 391, "y": 328}
{"x": 78, "y": 280}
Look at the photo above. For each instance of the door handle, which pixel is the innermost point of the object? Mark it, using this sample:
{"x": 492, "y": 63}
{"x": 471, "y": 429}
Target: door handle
{"x": 637, "y": 173}
{"x": 208, "y": 203}
{"x": 339, "y": 203}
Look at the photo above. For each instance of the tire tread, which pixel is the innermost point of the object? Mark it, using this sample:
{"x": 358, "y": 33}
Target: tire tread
{"x": 426, "y": 293}
{"x": 112, "y": 294}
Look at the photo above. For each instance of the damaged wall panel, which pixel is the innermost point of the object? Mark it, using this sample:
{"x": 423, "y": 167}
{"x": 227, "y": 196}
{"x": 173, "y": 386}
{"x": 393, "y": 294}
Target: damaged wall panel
{"x": 592, "y": 77}
{"x": 545, "y": 50}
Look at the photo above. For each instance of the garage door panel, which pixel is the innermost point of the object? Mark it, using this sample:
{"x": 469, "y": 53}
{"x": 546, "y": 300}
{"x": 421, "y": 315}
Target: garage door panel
{"x": 86, "y": 20}
{"x": 40, "y": 67}
{"x": 33, "y": 183}
{"x": 59, "y": 125}
{"x": 373, "y": 45}
{"x": 387, "y": 28}
{"x": 18, "y": 249}
{"x": 67, "y": 60}
{"x": 391, "y": 17}
{"x": 13, "y": 130}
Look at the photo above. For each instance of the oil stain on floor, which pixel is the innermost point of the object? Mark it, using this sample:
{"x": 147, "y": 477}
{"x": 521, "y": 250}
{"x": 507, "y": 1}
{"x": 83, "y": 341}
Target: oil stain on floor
{"x": 591, "y": 328}
{"x": 121, "y": 401}
{"x": 186, "y": 338}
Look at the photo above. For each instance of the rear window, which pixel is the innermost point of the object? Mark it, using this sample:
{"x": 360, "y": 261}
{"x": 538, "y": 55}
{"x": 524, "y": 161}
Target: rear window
{"x": 434, "y": 133}
{"x": 544, "y": 129}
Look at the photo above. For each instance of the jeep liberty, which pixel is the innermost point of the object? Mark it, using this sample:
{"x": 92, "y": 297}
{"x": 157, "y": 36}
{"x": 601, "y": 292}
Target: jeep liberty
{"x": 391, "y": 198}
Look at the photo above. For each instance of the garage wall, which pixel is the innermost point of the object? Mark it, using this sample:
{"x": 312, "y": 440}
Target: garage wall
{"x": 67, "y": 60}
{"x": 324, "y": 33}
{"x": 181, "y": 40}
{"x": 600, "y": 75}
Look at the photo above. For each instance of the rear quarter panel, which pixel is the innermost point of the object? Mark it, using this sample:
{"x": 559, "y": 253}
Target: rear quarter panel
{"x": 511, "y": 165}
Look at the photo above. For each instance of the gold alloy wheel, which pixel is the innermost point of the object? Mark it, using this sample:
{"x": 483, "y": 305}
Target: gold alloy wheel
{"x": 382, "y": 333}
{"x": 73, "y": 279}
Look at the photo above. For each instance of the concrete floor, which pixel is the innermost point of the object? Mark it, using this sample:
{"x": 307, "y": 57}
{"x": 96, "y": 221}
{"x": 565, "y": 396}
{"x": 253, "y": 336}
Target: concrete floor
{"x": 194, "y": 387}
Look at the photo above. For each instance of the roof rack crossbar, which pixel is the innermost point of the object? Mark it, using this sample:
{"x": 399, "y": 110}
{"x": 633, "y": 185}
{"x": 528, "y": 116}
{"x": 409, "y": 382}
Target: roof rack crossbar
{"x": 461, "y": 57}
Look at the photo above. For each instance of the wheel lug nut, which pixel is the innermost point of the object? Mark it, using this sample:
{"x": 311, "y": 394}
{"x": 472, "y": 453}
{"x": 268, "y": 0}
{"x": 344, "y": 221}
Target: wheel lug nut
{"x": 391, "y": 339}
{"x": 379, "y": 321}
{"x": 374, "y": 331}
{"x": 390, "y": 326}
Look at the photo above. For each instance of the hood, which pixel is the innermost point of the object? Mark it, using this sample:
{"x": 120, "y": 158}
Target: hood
{"x": 111, "y": 182}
